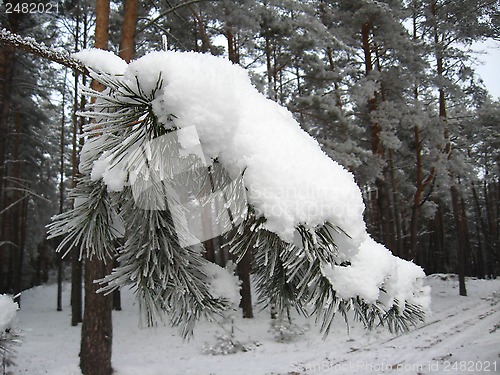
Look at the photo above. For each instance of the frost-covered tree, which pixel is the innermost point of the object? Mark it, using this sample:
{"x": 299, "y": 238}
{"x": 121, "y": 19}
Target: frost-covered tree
{"x": 451, "y": 27}
{"x": 175, "y": 132}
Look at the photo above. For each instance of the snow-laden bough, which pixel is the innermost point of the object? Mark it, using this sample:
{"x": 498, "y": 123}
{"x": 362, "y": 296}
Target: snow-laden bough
{"x": 171, "y": 126}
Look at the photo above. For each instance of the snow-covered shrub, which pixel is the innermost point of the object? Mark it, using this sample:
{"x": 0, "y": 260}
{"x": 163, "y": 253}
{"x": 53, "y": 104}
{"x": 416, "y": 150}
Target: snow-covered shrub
{"x": 285, "y": 330}
{"x": 226, "y": 343}
{"x": 8, "y": 333}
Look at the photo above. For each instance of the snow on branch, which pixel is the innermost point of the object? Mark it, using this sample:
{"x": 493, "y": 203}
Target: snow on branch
{"x": 40, "y": 49}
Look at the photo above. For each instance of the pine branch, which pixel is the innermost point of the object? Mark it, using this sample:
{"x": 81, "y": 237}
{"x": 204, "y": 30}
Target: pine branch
{"x": 151, "y": 182}
{"x": 166, "y": 276}
{"x": 289, "y": 275}
{"x": 40, "y": 49}
{"x": 92, "y": 225}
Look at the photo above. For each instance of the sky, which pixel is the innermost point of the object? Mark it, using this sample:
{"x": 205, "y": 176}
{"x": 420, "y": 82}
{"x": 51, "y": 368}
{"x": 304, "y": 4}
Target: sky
{"x": 490, "y": 70}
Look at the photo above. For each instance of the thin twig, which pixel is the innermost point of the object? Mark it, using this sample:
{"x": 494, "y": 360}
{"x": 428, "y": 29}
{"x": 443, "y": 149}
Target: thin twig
{"x": 30, "y": 45}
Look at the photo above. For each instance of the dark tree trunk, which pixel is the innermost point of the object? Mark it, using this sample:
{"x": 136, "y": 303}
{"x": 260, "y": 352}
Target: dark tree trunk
{"x": 16, "y": 213}
{"x": 244, "y": 267}
{"x": 117, "y": 296}
{"x": 76, "y": 264}
{"x": 206, "y": 45}
{"x": 76, "y": 289}
{"x": 61, "y": 191}
{"x": 480, "y": 235}
{"x": 97, "y": 327}
{"x": 492, "y": 195}
{"x": 244, "y": 270}
{"x": 127, "y": 52}
{"x": 461, "y": 227}
{"x": 385, "y": 216}
{"x": 127, "y": 43}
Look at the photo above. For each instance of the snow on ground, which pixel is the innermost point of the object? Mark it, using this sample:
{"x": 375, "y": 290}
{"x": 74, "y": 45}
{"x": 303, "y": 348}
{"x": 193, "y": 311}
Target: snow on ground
{"x": 461, "y": 336}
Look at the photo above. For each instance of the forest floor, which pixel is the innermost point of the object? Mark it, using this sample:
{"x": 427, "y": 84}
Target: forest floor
{"x": 462, "y": 335}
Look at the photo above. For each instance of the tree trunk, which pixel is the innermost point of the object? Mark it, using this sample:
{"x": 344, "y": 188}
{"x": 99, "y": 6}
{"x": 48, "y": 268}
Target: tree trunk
{"x": 418, "y": 199}
{"x": 127, "y": 44}
{"x": 127, "y": 52}
{"x": 481, "y": 235}
{"x": 76, "y": 264}
{"x": 461, "y": 228}
{"x": 244, "y": 267}
{"x": 244, "y": 270}
{"x": 76, "y": 289}
{"x": 97, "y": 327}
{"x": 385, "y": 214}
{"x": 206, "y": 46}
{"x": 455, "y": 194}
{"x": 61, "y": 192}
{"x": 16, "y": 213}
{"x": 492, "y": 213}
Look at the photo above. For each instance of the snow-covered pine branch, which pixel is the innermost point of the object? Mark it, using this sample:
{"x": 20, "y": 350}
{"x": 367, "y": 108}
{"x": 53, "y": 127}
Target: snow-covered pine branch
{"x": 177, "y": 134}
{"x": 30, "y": 45}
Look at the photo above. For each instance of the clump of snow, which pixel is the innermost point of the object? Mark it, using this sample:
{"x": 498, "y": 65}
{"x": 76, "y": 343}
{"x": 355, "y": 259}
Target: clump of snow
{"x": 225, "y": 284}
{"x": 290, "y": 180}
{"x": 8, "y": 309}
{"x": 375, "y": 275}
{"x": 101, "y": 61}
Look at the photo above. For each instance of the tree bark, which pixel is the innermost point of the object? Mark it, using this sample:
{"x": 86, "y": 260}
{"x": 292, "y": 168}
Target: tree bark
{"x": 244, "y": 269}
{"x": 418, "y": 199}
{"x": 127, "y": 44}
{"x": 76, "y": 264}
{"x": 206, "y": 46}
{"x": 455, "y": 194}
{"x": 127, "y": 52}
{"x": 61, "y": 191}
{"x": 481, "y": 235}
{"x": 384, "y": 217}
{"x": 492, "y": 218}
{"x": 461, "y": 227}
{"x": 16, "y": 212}
{"x": 97, "y": 327}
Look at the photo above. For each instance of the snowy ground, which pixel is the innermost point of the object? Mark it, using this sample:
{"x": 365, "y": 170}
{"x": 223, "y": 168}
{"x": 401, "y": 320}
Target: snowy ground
{"x": 461, "y": 336}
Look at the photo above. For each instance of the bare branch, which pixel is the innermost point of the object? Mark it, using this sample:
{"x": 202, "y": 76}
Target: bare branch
{"x": 40, "y": 49}
{"x": 173, "y": 9}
